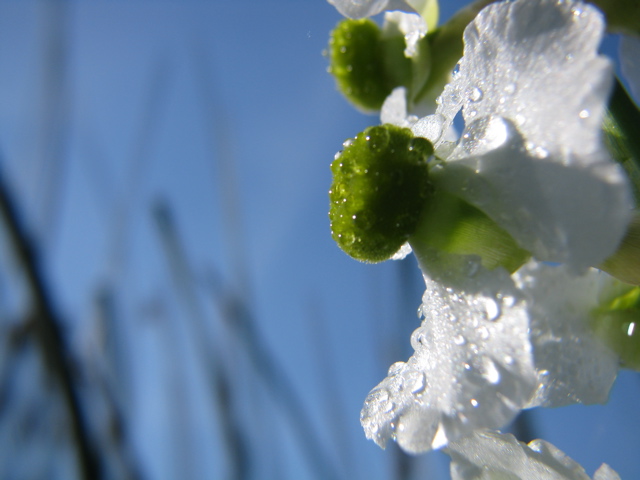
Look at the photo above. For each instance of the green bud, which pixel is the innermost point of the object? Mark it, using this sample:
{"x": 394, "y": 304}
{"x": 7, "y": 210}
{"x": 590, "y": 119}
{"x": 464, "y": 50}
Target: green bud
{"x": 380, "y": 186}
{"x": 366, "y": 65}
{"x": 618, "y": 324}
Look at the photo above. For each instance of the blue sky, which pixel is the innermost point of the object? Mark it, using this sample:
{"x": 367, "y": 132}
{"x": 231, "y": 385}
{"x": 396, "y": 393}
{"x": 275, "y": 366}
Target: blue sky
{"x": 223, "y": 113}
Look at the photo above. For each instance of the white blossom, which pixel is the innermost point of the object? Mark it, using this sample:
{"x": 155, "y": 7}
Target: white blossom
{"x": 532, "y": 90}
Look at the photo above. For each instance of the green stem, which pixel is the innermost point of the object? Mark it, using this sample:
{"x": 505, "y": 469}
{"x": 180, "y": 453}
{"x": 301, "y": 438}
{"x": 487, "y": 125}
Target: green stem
{"x": 451, "y": 225}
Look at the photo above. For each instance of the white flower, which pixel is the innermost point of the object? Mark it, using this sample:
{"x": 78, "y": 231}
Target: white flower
{"x": 532, "y": 91}
{"x": 490, "y": 455}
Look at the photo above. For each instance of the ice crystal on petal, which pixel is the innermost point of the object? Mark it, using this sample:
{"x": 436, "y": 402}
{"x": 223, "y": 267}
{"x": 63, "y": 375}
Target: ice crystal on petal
{"x": 532, "y": 90}
{"x": 486, "y": 454}
{"x": 573, "y": 364}
{"x": 472, "y": 367}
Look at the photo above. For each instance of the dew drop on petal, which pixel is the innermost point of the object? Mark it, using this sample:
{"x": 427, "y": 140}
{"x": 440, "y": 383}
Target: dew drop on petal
{"x": 510, "y": 88}
{"x": 476, "y": 94}
{"x": 459, "y": 340}
{"x": 493, "y": 310}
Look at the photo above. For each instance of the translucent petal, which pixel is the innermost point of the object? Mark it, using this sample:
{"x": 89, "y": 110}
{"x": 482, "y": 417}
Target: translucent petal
{"x": 394, "y": 109}
{"x": 411, "y": 25}
{"x": 492, "y": 455}
{"x": 559, "y": 210}
{"x": 368, "y": 8}
{"x": 536, "y": 63}
{"x": 573, "y": 365}
{"x": 605, "y": 472}
{"x": 472, "y": 366}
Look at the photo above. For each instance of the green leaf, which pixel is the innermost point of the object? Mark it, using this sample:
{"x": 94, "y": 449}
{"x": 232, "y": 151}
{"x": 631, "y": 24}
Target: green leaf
{"x": 380, "y": 186}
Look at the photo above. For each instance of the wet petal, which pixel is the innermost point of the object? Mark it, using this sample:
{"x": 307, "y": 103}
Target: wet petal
{"x": 536, "y": 63}
{"x": 368, "y": 8}
{"x": 472, "y": 366}
{"x": 494, "y": 455}
{"x": 574, "y": 366}
{"x": 560, "y": 212}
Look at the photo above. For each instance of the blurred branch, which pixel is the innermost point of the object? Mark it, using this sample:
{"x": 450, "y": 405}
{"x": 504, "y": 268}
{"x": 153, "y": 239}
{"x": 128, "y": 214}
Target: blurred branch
{"x": 238, "y": 315}
{"x": 219, "y": 383}
{"x": 48, "y": 330}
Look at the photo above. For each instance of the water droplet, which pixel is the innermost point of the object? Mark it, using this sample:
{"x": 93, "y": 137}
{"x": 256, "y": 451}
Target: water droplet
{"x": 337, "y": 155}
{"x": 492, "y": 309}
{"x": 474, "y": 403}
{"x": 348, "y": 142}
{"x": 540, "y": 152}
{"x": 459, "y": 340}
{"x": 418, "y": 339}
{"x": 584, "y": 114}
{"x": 630, "y": 329}
{"x": 395, "y": 369}
{"x": 484, "y": 333}
{"x": 343, "y": 49}
{"x": 388, "y": 407}
{"x": 510, "y": 88}
{"x": 476, "y": 94}
{"x": 490, "y": 371}
{"x": 520, "y": 119}
{"x": 416, "y": 382}
{"x": 508, "y": 300}
{"x": 508, "y": 359}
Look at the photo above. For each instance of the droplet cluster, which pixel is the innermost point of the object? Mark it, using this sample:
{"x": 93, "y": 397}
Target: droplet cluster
{"x": 380, "y": 186}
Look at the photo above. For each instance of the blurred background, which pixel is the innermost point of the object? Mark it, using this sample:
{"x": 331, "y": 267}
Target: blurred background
{"x": 172, "y": 305}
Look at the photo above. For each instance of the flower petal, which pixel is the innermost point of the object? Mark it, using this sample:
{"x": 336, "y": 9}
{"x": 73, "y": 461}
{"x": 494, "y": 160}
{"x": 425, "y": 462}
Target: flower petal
{"x": 574, "y": 366}
{"x": 561, "y": 213}
{"x": 552, "y": 185}
{"x": 472, "y": 366}
{"x": 488, "y": 454}
{"x": 368, "y": 8}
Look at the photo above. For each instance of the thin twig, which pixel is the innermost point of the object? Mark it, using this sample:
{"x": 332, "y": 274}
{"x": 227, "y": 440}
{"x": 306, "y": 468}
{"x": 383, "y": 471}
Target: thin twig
{"x": 48, "y": 331}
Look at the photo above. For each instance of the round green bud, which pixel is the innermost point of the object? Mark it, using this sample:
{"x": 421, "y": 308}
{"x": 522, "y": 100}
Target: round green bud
{"x": 366, "y": 66}
{"x": 379, "y": 190}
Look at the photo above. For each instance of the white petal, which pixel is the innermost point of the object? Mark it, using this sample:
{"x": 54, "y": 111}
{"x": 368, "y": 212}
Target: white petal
{"x": 560, "y": 212}
{"x": 536, "y": 63}
{"x": 472, "y": 366}
{"x": 368, "y": 8}
{"x": 605, "y": 472}
{"x": 394, "y": 109}
{"x": 572, "y": 363}
{"x": 487, "y": 455}
{"x": 411, "y": 25}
